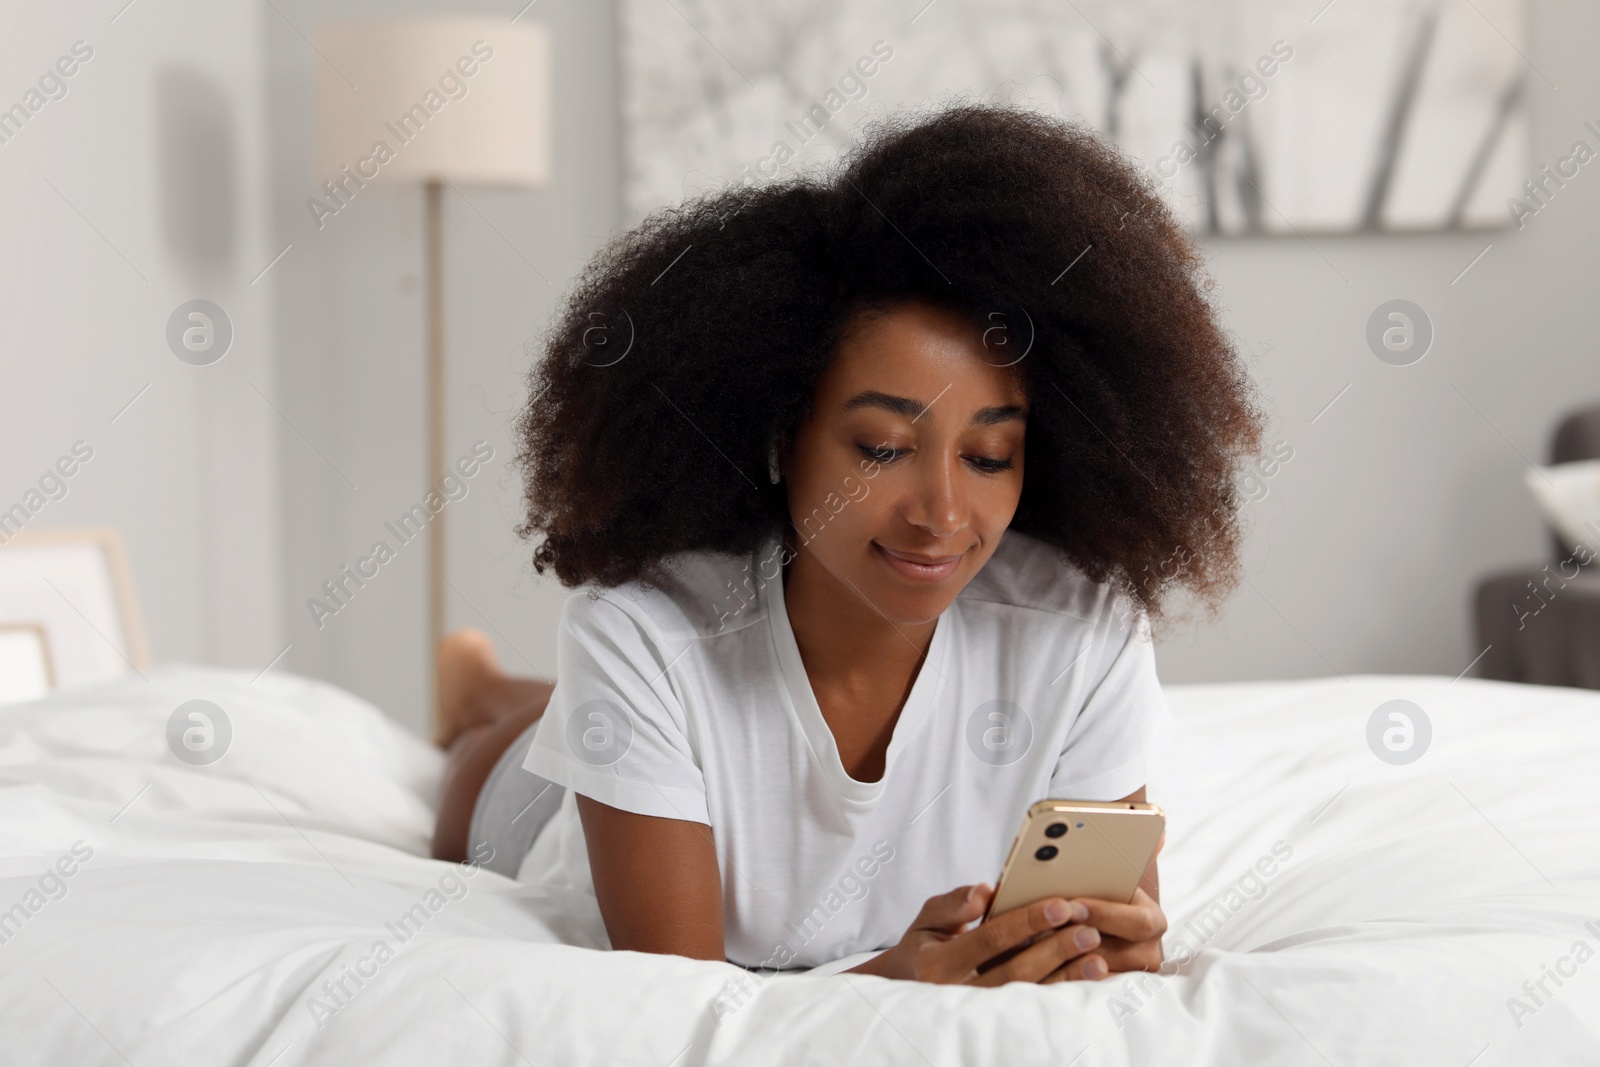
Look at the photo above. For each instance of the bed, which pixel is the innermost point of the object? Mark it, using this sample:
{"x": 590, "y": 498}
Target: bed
{"x": 1327, "y": 906}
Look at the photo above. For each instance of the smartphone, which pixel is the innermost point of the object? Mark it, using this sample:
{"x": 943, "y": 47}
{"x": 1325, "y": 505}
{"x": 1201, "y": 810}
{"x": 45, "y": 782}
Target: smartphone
{"x": 1078, "y": 848}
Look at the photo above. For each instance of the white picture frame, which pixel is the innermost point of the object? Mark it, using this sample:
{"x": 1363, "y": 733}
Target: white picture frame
{"x": 26, "y": 672}
{"x": 75, "y": 587}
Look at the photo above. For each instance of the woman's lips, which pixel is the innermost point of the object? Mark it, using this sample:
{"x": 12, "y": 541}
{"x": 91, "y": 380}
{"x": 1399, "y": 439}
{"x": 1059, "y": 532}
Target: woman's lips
{"x": 919, "y": 568}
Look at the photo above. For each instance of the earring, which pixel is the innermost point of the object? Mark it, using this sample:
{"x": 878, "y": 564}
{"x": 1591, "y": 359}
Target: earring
{"x": 773, "y": 474}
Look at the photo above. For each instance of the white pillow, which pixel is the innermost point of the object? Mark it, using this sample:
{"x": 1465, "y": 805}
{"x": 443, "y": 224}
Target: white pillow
{"x": 1569, "y": 496}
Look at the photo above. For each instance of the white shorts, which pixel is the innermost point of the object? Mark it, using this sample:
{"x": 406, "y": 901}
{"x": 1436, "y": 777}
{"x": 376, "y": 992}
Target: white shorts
{"x": 513, "y": 806}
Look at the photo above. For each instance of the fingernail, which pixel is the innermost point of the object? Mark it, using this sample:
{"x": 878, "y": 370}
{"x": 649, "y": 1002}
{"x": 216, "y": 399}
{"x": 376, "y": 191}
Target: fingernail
{"x": 1095, "y": 968}
{"x": 1087, "y": 937}
{"x": 1056, "y": 912}
{"x": 1080, "y": 911}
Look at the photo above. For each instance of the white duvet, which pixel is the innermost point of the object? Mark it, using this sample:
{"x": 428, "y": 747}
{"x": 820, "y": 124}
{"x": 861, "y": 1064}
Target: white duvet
{"x": 1332, "y": 908}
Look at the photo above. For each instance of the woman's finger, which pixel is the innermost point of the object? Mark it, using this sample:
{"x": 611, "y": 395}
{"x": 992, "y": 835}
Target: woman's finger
{"x": 1090, "y": 967}
{"x": 1044, "y": 957}
{"x": 1139, "y": 921}
{"x": 1008, "y": 930}
{"x": 1121, "y": 955}
{"x": 951, "y": 912}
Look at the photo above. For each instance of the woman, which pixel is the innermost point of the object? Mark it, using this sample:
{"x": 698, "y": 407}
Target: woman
{"x": 873, "y": 486}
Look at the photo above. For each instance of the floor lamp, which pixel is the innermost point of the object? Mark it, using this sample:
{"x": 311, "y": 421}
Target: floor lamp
{"x": 438, "y": 102}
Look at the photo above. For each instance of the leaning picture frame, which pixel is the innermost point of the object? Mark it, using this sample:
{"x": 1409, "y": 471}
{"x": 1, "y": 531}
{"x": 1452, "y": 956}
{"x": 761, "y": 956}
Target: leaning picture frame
{"x": 26, "y": 672}
{"x": 75, "y": 588}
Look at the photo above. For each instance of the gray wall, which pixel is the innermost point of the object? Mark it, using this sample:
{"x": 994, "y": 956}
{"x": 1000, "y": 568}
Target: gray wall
{"x": 139, "y": 190}
{"x": 1361, "y": 558}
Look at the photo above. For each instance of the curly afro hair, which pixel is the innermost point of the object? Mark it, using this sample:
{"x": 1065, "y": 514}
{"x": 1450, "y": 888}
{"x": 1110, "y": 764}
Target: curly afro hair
{"x": 691, "y": 342}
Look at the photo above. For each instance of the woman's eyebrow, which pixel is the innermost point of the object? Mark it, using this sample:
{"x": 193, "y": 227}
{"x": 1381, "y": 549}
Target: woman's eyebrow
{"x": 994, "y": 416}
{"x": 914, "y": 409}
{"x": 898, "y": 405}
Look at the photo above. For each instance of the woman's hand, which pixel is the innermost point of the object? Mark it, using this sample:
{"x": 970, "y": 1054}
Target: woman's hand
{"x": 939, "y": 948}
{"x": 1130, "y": 933}
{"x": 1130, "y": 936}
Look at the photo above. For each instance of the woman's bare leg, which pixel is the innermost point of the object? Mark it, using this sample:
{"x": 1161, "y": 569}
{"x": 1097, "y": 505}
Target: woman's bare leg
{"x": 482, "y": 710}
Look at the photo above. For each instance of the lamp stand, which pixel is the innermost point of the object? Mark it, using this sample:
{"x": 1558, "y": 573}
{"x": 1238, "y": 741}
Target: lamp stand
{"x": 434, "y": 240}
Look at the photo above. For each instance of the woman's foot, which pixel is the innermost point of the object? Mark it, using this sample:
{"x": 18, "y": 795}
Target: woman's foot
{"x": 469, "y": 670}
{"x": 482, "y": 711}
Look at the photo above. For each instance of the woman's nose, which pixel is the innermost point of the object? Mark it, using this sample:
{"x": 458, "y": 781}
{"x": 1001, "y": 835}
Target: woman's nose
{"x": 940, "y": 505}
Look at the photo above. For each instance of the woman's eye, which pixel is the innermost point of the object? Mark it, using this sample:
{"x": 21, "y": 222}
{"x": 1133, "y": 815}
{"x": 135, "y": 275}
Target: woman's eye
{"x": 880, "y": 455}
{"x": 989, "y": 466}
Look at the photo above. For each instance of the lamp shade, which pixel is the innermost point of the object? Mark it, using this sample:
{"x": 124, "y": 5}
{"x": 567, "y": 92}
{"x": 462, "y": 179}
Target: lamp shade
{"x": 434, "y": 99}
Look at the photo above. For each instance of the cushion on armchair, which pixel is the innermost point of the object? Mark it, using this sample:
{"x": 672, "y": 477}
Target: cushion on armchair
{"x": 1568, "y": 495}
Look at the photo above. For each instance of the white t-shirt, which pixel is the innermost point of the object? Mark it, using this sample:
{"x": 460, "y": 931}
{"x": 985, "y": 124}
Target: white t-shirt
{"x": 691, "y": 702}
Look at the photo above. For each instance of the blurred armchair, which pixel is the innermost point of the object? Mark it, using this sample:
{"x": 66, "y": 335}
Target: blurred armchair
{"x": 1542, "y": 625}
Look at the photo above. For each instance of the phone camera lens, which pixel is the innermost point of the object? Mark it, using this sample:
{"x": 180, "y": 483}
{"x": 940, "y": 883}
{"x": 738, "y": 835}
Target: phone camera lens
{"x": 1056, "y": 829}
{"x": 1046, "y": 852}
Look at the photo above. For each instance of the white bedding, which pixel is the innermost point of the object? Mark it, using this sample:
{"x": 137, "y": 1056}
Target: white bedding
{"x": 1415, "y": 901}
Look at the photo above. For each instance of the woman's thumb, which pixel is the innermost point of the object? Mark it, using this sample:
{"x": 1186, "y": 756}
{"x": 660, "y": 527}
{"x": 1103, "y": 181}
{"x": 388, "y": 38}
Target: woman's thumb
{"x": 955, "y": 908}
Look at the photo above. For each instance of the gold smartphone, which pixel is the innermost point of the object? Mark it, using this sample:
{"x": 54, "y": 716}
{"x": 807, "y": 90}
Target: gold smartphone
{"x": 1078, "y": 848}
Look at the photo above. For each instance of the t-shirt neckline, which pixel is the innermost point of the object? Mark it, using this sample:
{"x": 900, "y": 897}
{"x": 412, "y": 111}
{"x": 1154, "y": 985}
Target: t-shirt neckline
{"x": 802, "y": 700}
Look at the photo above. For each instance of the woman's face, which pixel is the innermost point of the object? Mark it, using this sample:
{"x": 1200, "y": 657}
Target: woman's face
{"x": 909, "y": 468}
